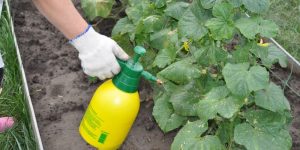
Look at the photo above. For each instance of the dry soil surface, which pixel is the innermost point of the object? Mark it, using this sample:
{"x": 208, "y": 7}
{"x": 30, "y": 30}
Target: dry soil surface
{"x": 60, "y": 91}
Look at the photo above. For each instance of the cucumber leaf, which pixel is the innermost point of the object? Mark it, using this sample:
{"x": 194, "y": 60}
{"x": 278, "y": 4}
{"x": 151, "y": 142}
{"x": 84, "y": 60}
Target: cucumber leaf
{"x": 209, "y": 3}
{"x": 275, "y": 55}
{"x": 177, "y": 9}
{"x": 217, "y": 102}
{"x": 123, "y": 26}
{"x": 181, "y": 72}
{"x": 241, "y": 80}
{"x": 191, "y": 25}
{"x": 95, "y": 8}
{"x": 266, "y": 119}
{"x": 221, "y": 27}
{"x": 152, "y": 23}
{"x": 189, "y": 137}
{"x": 160, "y": 3}
{"x": 249, "y": 27}
{"x": 185, "y": 99}
{"x": 165, "y": 57}
{"x": 164, "y": 114}
{"x": 272, "y": 98}
{"x": 209, "y": 54}
{"x": 257, "y": 6}
{"x": 261, "y": 138}
{"x": 236, "y": 3}
{"x": 225, "y": 132}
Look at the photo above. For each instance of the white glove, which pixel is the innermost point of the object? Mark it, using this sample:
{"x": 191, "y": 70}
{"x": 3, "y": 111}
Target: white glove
{"x": 98, "y": 54}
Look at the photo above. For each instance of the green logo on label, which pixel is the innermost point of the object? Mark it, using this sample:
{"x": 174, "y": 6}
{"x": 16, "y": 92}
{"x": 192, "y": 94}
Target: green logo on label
{"x": 102, "y": 137}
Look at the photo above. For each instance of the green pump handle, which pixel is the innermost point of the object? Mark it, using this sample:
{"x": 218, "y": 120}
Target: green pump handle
{"x": 131, "y": 71}
{"x": 147, "y": 75}
{"x": 139, "y": 52}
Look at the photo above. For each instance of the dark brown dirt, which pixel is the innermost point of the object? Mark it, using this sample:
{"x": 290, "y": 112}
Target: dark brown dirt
{"x": 282, "y": 77}
{"x": 60, "y": 91}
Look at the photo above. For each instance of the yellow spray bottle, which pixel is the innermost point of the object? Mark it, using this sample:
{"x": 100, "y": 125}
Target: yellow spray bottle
{"x": 114, "y": 106}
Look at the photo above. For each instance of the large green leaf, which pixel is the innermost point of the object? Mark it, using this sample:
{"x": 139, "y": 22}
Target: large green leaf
{"x": 266, "y": 119}
{"x": 152, "y": 23}
{"x": 141, "y": 9}
{"x": 123, "y": 26}
{"x": 164, "y": 114}
{"x": 249, "y": 27}
{"x": 191, "y": 25}
{"x": 135, "y": 2}
{"x": 185, "y": 99}
{"x": 209, "y": 3}
{"x": 95, "y": 8}
{"x": 189, "y": 138}
{"x": 241, "y": 55}
{"x": 262, "y": 139}
{"x": 190, "y": 130}
{"x": 160, "y": 3}
{"x": 223, "y": 10}
{"x": 272, "y": 98}
{"x": 181, "y": 72}
{"x": 217, "y": 102}
{"x": 177, "y": 9}
{"x": 236, "y": 3}
{"x": 225, "y": 132}
{"x": 134, "y": 14}
{"x": 217, "y": 93}
{"x": 160, "y": 40}
{"x": 208, "y": 142}
{"x": 257, "y": 6}
{"x": 222, "y": 26}
{"x": 275, "y": 55}
{"x": 265, "y": 129}
{"x": 241, "y": 80}
{"x": 165, "y": 57}
{"x": 170, "y": 87}
{"x": 209, "y": 54}
{"x": 267, "y": 28}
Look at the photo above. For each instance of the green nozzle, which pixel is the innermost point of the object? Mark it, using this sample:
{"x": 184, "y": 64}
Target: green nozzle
{"x": 131, "y": 72}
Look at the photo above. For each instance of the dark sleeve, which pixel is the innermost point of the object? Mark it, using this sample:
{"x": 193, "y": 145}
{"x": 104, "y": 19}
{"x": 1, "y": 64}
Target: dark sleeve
{"x": 1, "y": 75}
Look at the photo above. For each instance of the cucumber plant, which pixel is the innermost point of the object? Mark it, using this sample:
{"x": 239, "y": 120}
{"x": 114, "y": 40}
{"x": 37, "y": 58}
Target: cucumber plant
{"x": 214, "y": 64}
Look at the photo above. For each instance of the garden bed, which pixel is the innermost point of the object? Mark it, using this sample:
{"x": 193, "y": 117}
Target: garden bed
{"x": 60, "y": 91}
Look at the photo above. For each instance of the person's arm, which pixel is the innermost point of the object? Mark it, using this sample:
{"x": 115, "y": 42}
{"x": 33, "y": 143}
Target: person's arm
{"x": 63, "y": 15}
{"x": 97, "y": 52}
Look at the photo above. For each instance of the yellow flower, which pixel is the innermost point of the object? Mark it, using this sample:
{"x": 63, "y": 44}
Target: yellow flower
{"x": 262, "y": 44}
{"x": 186, "y": 46}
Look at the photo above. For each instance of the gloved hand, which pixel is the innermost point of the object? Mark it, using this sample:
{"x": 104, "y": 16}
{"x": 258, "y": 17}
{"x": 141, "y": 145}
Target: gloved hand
{"x": 98, "y": 54}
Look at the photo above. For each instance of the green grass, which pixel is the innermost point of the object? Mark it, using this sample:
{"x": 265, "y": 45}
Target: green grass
{"x": 286, "y": 13}
{"x": 12, "y": 98}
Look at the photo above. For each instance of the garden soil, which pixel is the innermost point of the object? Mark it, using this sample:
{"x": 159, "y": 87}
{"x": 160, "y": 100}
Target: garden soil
{"x": 60, "y": 91}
